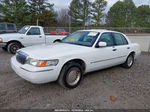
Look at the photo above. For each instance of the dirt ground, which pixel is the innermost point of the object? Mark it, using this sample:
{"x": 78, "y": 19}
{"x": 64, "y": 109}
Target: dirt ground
{"x": 113, "y": 88}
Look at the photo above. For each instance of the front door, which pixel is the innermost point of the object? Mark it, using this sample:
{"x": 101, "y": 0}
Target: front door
{"x": 103, "y": 57}
{"x": 34, "y": 37}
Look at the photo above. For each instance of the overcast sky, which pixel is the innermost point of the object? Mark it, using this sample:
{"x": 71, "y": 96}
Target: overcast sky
{"x": 61, "y": 4}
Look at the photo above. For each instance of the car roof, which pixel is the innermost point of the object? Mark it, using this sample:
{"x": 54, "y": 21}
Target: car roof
{"x": 100, "y": 30}
{"x": 33, "y": 26}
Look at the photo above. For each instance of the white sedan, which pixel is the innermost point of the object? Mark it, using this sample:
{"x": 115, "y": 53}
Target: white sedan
{"x": 81, "y": 52}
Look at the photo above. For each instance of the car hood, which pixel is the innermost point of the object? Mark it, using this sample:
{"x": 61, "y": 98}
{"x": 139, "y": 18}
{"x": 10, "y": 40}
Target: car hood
{"x": 53, "y": 51}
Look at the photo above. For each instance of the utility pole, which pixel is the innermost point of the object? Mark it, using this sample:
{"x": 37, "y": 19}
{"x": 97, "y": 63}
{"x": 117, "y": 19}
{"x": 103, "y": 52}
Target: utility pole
{"x": 149, "y": 47}
{"x": 37, "y": 22}
{"x": 69, "y": 23}
{"x": 149, "y": 40}
{"x": 38, "y": 11}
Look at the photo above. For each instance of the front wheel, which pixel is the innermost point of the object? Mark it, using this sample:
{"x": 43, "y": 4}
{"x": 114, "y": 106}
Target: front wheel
{"x": 71, "y": 75}
{"x": 13, "y": 47}
{"x": 129, "y": 62}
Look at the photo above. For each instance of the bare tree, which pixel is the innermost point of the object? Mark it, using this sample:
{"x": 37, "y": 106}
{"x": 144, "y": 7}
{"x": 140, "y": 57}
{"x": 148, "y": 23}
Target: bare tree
{"x": 63, "y": 18}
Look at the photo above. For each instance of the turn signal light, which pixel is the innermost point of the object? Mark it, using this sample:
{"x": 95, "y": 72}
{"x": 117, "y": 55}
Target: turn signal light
{"x": 41, "y": 63}
{"x": 1, "y": 40}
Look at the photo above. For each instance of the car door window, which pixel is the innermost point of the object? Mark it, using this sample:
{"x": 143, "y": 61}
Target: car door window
{"x": 10, "y": 27}
{"x": 107, "y": 37}
{"x": 125, "y": 42}
{"x": 120, "y": 39}
{"x": 2, "y": 27}
{"x": 34, "y": 31}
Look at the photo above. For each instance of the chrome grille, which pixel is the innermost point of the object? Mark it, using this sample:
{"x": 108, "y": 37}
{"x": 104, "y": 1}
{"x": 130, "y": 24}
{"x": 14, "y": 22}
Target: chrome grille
{"x": 21, "y": 57}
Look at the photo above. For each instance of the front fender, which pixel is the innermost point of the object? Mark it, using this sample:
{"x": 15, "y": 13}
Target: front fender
{"x": 11, "y": 37}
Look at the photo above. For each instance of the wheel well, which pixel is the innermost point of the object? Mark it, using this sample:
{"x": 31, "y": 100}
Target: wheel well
{"x": 14, "y": 41}
{"x": 81, "y": 62}
{"x": 56, "y": 40}
{"x": 132, "y": 53}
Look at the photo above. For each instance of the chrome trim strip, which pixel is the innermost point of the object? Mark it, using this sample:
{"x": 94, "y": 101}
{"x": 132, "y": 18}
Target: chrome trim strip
{"x": 37, "y": 71}
{"x": 106, "y": 60}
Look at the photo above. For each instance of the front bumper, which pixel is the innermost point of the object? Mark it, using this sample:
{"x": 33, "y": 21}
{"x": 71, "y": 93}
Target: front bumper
{"x": 34, "y": 75}
{"x": 3, "y": 45}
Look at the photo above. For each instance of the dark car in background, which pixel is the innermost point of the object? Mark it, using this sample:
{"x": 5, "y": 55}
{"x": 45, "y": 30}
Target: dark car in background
{"x": 7, "y": 28}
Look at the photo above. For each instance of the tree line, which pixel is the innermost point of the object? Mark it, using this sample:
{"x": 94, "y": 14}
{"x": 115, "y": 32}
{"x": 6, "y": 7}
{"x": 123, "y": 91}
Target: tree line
{"x": 81, "y": 13}
{"x": 23, "y": 12}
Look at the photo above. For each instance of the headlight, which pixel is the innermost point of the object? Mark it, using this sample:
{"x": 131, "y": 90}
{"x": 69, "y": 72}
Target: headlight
{"x": 1, "y": 40}
{"x": 42, "y": 63}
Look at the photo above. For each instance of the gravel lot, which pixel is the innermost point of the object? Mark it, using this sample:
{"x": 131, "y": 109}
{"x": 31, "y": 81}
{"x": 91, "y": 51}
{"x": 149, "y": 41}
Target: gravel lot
{"x": 130, "y": 87}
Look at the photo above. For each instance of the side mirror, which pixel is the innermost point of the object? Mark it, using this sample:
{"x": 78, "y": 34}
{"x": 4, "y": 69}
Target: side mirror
{"x": 102, "y": 44}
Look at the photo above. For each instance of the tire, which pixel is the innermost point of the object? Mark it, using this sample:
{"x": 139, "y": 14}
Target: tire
{"x": 4, "y": 48}
{"x": 71, "y": 69}
{"x": 129, "y": 61}
{"x": 13, "y": 47}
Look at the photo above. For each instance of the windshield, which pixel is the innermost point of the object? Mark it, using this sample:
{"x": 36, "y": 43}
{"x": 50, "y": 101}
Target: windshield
{"x": 2, "y": 26}
{"x": 23, "y": 30}
{"x": 83, "y": 38}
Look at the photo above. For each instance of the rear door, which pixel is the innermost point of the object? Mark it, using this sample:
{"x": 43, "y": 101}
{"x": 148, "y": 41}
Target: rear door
{"x": 121, "y": 46}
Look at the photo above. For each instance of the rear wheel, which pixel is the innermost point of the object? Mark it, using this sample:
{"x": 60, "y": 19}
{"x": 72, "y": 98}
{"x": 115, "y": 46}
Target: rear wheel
{"x": 71, "y": 75}
{"x": 13, "y": 47}
{"x": 129, "y": 62}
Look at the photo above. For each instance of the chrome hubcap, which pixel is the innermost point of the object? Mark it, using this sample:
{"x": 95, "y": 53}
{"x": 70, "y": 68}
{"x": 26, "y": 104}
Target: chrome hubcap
{"x": 14, "y": 48}
{"x": 130, "y": 61}
{"x": 74, "y": 76}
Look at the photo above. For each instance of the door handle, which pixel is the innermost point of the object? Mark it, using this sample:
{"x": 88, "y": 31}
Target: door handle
{"x": 128, "y": 47}
{"x": 114, "y": 49}
{"x": 40, "y": 36}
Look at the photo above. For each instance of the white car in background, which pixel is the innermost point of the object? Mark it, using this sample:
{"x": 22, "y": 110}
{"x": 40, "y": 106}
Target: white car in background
{"x": 27, "y": 36}
{"x": 81, "y": 52}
